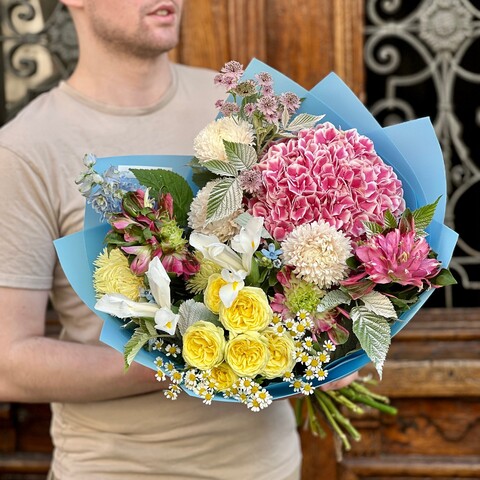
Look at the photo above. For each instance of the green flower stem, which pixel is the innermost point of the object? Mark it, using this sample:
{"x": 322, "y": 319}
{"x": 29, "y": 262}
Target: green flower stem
{"x": 341, "y": 419}
{"x": 320, "y": 396}
{"x": 339, "y": 398}
{"x": 299, "y": 411}
{"x": 313, "y": 422}
{"x": 367, "y": 400}
{"x": 365, "y": 391}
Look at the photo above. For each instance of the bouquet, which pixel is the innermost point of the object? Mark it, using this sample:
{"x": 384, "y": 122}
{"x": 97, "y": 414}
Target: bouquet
{"x": 284, "y": 255}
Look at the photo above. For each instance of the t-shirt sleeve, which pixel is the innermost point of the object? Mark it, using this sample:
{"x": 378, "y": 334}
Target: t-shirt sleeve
{"x": 28, "y": 224}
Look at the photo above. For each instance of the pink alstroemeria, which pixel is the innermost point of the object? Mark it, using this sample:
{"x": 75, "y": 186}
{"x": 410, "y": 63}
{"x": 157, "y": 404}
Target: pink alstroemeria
{"x": 181, "y": 264}
{"x": 327, "y": 322}
{"x": 398, "y": 257}
{"x": 142, "y": 260}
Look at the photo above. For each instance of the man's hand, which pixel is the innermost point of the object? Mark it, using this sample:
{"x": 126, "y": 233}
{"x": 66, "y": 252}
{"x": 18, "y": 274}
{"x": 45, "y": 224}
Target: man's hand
{"x": 344, "y": 382}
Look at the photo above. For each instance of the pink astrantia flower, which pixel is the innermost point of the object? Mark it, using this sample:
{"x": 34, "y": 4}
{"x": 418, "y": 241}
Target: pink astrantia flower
{"x": 325, "y": 174}
{"x": 399, "y": 258}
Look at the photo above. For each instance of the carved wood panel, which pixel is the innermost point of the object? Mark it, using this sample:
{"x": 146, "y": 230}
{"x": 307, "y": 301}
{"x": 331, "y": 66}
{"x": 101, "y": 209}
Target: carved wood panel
{"x": 305, "y": 39}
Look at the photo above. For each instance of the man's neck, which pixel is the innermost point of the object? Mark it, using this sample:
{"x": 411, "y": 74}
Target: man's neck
{"x": 123, "y": 83}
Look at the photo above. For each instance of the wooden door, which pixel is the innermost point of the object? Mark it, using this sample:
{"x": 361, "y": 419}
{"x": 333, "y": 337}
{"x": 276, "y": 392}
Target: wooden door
{"x": 304, "y": 39}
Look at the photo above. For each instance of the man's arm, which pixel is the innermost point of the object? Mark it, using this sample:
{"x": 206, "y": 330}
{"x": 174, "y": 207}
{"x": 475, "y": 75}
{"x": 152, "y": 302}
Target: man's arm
{"x": 34, "y": 368}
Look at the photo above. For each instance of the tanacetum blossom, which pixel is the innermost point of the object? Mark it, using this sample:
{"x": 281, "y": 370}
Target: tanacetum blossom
{"x": 208, "y": 144}
{"x": 398, "y": 257}
{"x": 113, "y": 275}
{"x": 325, "y": 174}
{"x": 318, "y": 252}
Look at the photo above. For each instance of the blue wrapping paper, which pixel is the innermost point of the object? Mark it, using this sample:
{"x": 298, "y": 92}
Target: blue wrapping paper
{"x": 411, "y": 148}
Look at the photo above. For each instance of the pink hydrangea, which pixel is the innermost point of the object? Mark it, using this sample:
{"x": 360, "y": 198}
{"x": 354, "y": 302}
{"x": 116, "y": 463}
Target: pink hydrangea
{"x": 325, "y": 174}
{"x": 399, "y": 258}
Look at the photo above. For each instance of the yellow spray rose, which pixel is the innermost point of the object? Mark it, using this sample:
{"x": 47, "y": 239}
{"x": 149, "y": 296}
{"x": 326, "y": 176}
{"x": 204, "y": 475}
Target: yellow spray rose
{"x": 212, "y": 298}
{"x": 224, "y": 376}
{"x": 282, "y": 349}
{"x": 203, "y": 345}
{"x": 247, "y": 354}
{"x": 250, "y": 311}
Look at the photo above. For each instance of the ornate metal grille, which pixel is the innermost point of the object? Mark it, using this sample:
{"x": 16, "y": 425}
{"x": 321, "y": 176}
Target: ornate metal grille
{"x": 39, "y": 47}
{"x": 422, "y": 60}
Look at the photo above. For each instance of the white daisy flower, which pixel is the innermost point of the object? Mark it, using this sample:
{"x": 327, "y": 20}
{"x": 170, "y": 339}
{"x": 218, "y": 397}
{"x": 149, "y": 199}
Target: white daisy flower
{"x": 307, "y": 343}
{"x": 169, "y": 367}
{"x": 321, "y": 374}
{"x": 172, "y": 350}
{"x": 171, "y": 395}
{"x": 190, "y": 378}
{"x": 176, "y": 377}
{"x": 297, "y": 385}
{"x": 307, "y": 388}
{"x": 288, "y": 377}
{"x": 159, "y": 362}
{"x": 254, "y": 404}
{"x": 303, "y": 357}
{"x": 329, "y": 345}
{"x": 324, "y": 357}
{"x": 160, "y": 375}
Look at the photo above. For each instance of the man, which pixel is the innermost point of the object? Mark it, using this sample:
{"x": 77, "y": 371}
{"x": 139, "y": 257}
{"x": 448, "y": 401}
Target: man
{"x": 124, "y": 97}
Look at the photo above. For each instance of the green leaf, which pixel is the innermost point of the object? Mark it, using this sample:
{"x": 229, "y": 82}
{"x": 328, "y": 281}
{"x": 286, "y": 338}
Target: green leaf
{"x": 373, "y": 333}
{"x": 390, "y": 220}
{"x": 423, "y": 215}
{"x": 444, "y": 278}
{"x": 134, "y": 345}
{"x": 304, "y": 120}
{"x": 225, "y": 198}
{"x": 379, "y": 304}
{"x": 240, "y": 155}
{"x": 221, "y": 168}
{"x": 148, "y": 325}
{"x": 333, "y": 299}
{"x": 160, "y": 180}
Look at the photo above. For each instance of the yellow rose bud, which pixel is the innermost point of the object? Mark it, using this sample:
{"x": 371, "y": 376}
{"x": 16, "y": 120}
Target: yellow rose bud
{"x": 203, "y": 345}
{"x": 224, "y": 376}
{"x": 282, "y": 349}
{"x": 211, "y": 297}
{"x": 247, "y": 354}
{"x": 250, "y": 311}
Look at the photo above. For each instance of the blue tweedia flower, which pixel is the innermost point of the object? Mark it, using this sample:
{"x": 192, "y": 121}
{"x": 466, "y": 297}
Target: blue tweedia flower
{"x": 272, "y": 253}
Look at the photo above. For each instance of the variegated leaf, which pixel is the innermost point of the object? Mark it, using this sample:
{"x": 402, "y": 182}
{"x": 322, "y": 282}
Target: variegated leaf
{"x": 380, "y": 304}
{"x": 304, "y": 120}
{"x": 240, "y": 155}
{"x": 373, "y": 333}
{"x": 333, "y": 299}
{"x": 220, "y": 168}
{"x": 225, "y": 198}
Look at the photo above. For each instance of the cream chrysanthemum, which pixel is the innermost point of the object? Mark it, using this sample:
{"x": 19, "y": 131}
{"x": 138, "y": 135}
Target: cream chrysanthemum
{"x": 113, "y": 275}
{"x": 318, "y": 252}
{"x": 208, "y": 144}
{"x": 224, "y": 229}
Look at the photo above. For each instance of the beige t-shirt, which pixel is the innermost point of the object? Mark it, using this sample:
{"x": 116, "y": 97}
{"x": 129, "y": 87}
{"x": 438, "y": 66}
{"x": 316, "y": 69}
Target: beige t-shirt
{"x": 145, "y": 436}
